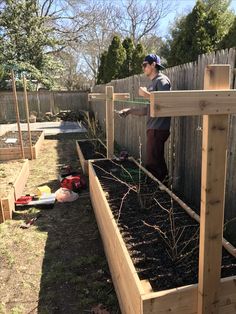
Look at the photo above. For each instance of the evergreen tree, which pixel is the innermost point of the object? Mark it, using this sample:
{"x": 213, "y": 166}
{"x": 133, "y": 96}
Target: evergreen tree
{"x": 229, "y": 40}
{"x": 175, "y": 49}
{"x": 199, "y": 32}
{"x": 137, "y": 60}
{"x": 27, "y": 41}
{"x": 101, "y": 69}
{"x": 115, "y": 58}
{"x": 127, "y": 65}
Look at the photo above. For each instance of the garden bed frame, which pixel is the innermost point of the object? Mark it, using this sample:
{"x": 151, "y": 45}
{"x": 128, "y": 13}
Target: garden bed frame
{"x": 83, "y": 161}
{"x": 8, "y": 203}
{"x": 136, "y": 296}
{"x": 15, "y": 152}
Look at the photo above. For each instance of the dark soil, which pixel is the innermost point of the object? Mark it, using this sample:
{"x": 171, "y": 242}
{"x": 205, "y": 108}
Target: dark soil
{"x": 162, "y": 242}
{"x": 25, "y": 137}
{"x": 93, "y": 149}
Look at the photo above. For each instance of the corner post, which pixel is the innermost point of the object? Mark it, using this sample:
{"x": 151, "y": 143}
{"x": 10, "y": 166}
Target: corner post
{"x": 214, "y": 150}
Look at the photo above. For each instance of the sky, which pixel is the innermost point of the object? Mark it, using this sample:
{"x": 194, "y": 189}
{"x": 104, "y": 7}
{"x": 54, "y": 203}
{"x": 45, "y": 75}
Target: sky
{"x": 181, "y": 7}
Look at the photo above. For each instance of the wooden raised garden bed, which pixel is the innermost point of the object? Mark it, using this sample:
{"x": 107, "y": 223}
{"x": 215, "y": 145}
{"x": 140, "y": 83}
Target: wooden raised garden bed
{"x": 90, "y": 149}
{"x": 13, "y": 151}
{"x": 151, "y": 243}
{"x": 13, "y": 177}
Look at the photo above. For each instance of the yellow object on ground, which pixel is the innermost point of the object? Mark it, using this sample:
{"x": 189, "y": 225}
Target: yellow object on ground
{"x": 43, "y": 190}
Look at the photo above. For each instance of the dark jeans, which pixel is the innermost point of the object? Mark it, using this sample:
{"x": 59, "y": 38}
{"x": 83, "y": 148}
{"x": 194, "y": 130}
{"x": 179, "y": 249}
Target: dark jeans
{"x": 155, "y": 153}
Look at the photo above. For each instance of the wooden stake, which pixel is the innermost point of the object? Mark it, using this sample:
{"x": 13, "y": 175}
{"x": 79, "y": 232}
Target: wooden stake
{"x": 110, "y": 120}
{"x": 27, "y": 116}
{"x": 110, "y": 97}
{"x": 2, "y": 217}
{"x": 214, "y": 147}
{"x": 17, "y": 114}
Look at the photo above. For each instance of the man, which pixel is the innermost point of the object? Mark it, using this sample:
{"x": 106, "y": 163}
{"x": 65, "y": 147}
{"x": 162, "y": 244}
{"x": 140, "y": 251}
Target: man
{"x": 158, "y": 129}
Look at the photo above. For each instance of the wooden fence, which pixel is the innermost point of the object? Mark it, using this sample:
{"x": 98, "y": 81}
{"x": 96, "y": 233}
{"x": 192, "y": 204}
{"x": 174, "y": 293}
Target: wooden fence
{"x": 41, "y": 102}
{"x": 183, "y": 151}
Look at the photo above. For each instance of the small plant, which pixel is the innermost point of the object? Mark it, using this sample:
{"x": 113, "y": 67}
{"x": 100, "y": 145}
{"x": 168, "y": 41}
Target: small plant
{"x": 174, "y": 238}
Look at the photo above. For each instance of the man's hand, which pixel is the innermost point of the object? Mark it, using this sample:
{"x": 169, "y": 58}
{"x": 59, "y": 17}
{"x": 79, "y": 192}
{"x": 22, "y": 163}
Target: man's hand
{"x": 143, "y": 92}
{"x": 124, "y": 112}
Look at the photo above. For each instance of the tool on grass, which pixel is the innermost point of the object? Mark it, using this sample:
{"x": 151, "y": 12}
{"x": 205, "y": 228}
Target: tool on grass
{"x": 34, "y": 200}
{"x": 26, "y": 225}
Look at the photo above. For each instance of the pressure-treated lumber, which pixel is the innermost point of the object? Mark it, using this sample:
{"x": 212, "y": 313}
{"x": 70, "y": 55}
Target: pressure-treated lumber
{"x": 82, "y": 159}
{"x": 15, "y": 153}
{"x": 192, "y": 103}
{"x": 8, "y": 203}
{"x": 121, "y": 96}
{"x": 128, "y": 287}
{"x": 97, "y": 96}
{"x": 2, "y": 217}
{"x": 135, "y": 296}
{"x": 17, "y": 114}
{"x": 183, "y": 300}
{"x": 21, "y": 180}
{"x": 27, "y": 116}
{"x": 110, "y": 121}
{"x": 109, "y": 96}
{"x": 214, "y": 159}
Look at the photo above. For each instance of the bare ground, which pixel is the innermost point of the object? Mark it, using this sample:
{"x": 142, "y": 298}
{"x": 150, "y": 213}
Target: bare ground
{"x": 58, "y": 264}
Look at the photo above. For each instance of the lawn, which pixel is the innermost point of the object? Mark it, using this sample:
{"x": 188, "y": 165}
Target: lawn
{"x": 58, "y": 264}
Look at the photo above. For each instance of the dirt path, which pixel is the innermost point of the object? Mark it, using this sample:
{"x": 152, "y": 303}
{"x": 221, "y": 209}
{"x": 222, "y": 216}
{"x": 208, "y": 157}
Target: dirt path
{"x": 58, "y": 264}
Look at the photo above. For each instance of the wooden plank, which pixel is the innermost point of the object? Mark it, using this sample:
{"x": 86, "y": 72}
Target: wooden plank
{"x": 83, "y": 161}
{"x": 214, "y": 148}
{"x": 37, "y": 146}
{"x": 27, "y": 116}
{"x": 121, "y": 96}
{"x": 15, "y": 152}
{"x": 110, "y": 121}
{"x": 21, "y": 180}
{"x": 191, "y": 103}
{"x": 96, "y": 96}
{"x": 136, "y": 296}
{"x": 2, "y": 217}
{"x": 8, "y": 204}
{"x": 147, "y": 288}
{"x": 127, "y": 284}
{"x": 17, "y": 114}
{"x": 183, "y": 300}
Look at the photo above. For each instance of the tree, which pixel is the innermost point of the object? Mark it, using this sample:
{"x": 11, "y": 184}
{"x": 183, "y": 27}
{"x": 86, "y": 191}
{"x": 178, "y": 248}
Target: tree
{"x": 98, "y": 16}
{"x": 104, "y": 19}
{"x": 229, "y": 40}
{"x": 127, "y": 65}
{"x": 137, "y": 59}
{"x": 137, "y": 19}
{"x": 199, "y": 32}
{"x": 27, "y": 41}
{"x": 152, "y": 43}
{"x": 101, "y": 69}
{"x": 115, "y": 58}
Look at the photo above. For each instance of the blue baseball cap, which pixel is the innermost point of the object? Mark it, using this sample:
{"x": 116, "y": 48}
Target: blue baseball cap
{"x": 154, "y": 58}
